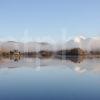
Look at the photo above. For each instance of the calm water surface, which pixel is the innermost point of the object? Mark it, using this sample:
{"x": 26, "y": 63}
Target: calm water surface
{"x": 49, "y": 79}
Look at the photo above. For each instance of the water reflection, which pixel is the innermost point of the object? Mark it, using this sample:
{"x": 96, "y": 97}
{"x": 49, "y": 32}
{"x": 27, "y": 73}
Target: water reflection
{"x": 79, "y": 64}
{"x": 29, "y": 78}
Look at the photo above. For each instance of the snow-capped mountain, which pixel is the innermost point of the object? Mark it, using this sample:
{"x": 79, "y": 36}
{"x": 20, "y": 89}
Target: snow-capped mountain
{"x": 25, "y": 47}
{"x": 83, "y": 43}
{"x": 89, "y": 44}
{"x": 37, "y": 46}
{"x": 12, "y": 45}
{"x": 77, "y": 42}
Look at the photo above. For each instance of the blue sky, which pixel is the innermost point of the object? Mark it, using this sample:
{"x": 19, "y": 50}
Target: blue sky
{"x": 49, "y": 18}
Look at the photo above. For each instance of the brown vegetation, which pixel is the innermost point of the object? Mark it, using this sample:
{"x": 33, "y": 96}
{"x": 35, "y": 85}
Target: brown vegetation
{"x": 48, "y": 54}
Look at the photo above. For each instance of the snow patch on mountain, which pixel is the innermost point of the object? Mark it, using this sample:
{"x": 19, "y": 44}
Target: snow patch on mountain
{"x": 89, "y": 44}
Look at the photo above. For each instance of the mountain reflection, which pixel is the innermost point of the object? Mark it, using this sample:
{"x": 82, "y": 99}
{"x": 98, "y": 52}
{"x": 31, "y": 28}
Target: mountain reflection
{"x": 79, "y": 64}
{"x": 75, "y": 59}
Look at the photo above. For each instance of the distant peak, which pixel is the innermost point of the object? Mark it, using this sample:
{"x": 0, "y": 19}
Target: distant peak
{"x": 79, "y": 38}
